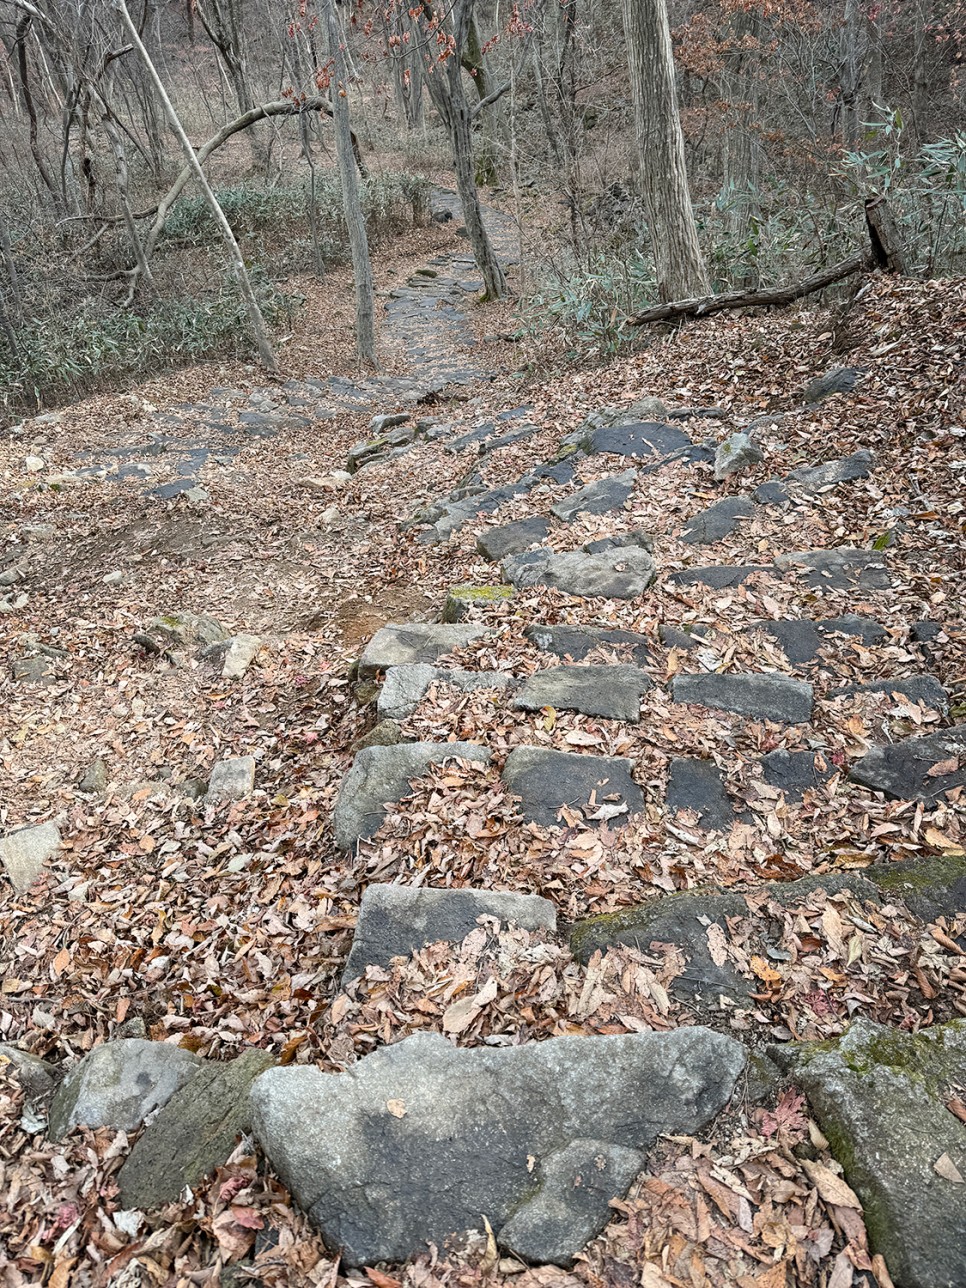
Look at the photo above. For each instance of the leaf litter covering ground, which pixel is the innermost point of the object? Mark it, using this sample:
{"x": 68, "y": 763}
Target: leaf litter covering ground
{"x": 229, "y": 927}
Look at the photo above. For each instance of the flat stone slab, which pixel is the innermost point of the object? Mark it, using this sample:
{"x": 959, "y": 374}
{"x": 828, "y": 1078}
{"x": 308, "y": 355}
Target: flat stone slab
{"x": 930, "y": 888}
{"x": 606, "y": 494}
{"x": 917, "y": 768}
{"x": 813, "y": 478}
{"x": 914, "y": 688}
{"x": 621, "y": 573}
{"x": 612, "y": 692}
{"x": 396, "y": 921}
{"x": 575, "y": 642}
{"x": 231, "y": 780}
{"x": 717, "y": 521}
{"x": 762, "y": 697}
{"x": 382, "y": 775}
{"x": 879, "y": 1096}
{"x": 118, "y": 1084}
{"x": 642, "y": 438}
{"x": 796, "y": 772}
{"x": 436, "y": 1136}
{"x": 842, "y": 568}
{"x": 406, "y": 686}
{"x": 398, "y": 645}
{"x": 686, "y": 638}
{"x": 802, "y": 639}
{"x": 25, "y": 853}
{"x": 496, "y": 543}
{"x": 194, "y": 1133}
{"x": 682, "y": 919}
{"x": 697, "y": 785}
{"x": 837, "y": 380}
{"x": 720, "y": 577}
{"x": 547, "y": 780}
{"x": 461, "y": 600}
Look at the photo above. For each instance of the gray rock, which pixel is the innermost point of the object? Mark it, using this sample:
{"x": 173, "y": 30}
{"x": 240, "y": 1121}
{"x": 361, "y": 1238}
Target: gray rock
{"x": 118, "y": 1084}
{"x": 395, "y": 921}
{"x": 682, "y": 919}
{"x": 95, "y": 779}
{"x": 813, "y": 478}
{"x": 762, "y": 697}
{"x": 25, "y": 852}
{"x": 436, "y": 1136}
{"x": 386, "y": 733}
{"x": 636, "y": 538}
{"x": 379, "y": 424}
{"x": 842, "y": 568}
{"x": 801, "y": 640}
{"x": 879, "y": 1097}
{"x": 771, "y": 492}
{"x": 837, "y": 380}
{"x": 240, "y": 652}
{"x": 718, "y": 521}
{"x": 721, "y": 577}
{"x": 461, "y": 600}
{"x": 37, "y": 1077}
{"x": 399, "y": 645}
{"x": 231, "y": 780}
{"x": 572, "y": 1205}
{"x": 930, "y": 888}
{"x": 33, "y": 669}
{"x": 623, "y": 573}
{"x": 611, "y": 493}
{"x": 194, "y": 1133}
{"x": 647, "y": 438}
{"x": 612, "y": 692}
{"x": 406, "y": 686}
{"x": 925, "y": 632}
{"x": 697, "y": 785}
{"x": 904, "y": 770}
{"x": 914, "y": 688}
{"x": 381, "y": 775}
{"x": 546, "y": 780}
{"x": 686, "y": 638}
{"x": 178, "y": 630}
{"x": 796, "y": 772}
{"x": 496, "y": 543}
{"x": 737, "y": 452}
{"x": 575, "y": 642}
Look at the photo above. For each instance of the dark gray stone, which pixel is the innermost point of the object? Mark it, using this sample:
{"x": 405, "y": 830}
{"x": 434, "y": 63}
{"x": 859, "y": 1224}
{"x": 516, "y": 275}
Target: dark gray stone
{"x": 606, "y": 494}
{"x": 718, "y": 521}
{"x": 837, "y": 380}
{"x": 118, "y": 1084}
{"x": 622, "y": 573}
{"x": 611, "y": 691}
{"x": 635, "y": 538}
{"x": 599, "y": 786}
{"x": 904, "y": 770}
{"x": 762, "y": 697}
{"x": 396, "y": 921}
{"x": 193, "y": 1134}
{"x": 496, "y": 543}
{"x": 801, "y": 640}
{"x": 914, "y": 688}
{"x": 37, "y": 1077}
{"x": 879, "y": 1097}
{"x": 796, "y": 772}
{"x": 400, "y": 645}
{"x": 179, "y": 629}
{"x": 406, "y": 686}
{"x": 382, "y": 775}
{"x": 682, "y": 919}
{"x": 930, "y": 888}
{"x": 842, "y": 568}
{"x": 646, "y": 438}
{"x": 925, "y": 632}
{"x": 718, "y": 578}
{"x": 813, "y": 478}
{"x": 572, "y": 1205}
{"x": 695, "y": 784}
{"x": 687, "y": 638}
{"x": 770, "y": 492}
{"x": 435, "y": 1136}
{"x": 575, "y": 642}
{"x": 95, "y": 779}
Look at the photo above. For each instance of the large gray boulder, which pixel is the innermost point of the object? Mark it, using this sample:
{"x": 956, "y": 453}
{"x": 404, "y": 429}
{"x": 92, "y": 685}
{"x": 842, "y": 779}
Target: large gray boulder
{"x": 420, "y": 1140}
{"x": 879, "y": 1097}
{"x": 395, "y": 921}
{"x": 623, "y": 572}
{"x": 118, "y": 1084}
{"x": 382, "y": 775}
{"x": 24, "y": 853}
{"x": 194, "y": 1133}
{"x": 400, "y": 645}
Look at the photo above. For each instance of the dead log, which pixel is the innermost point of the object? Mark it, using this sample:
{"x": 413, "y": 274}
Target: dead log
{"x": 884, "y": 236}
{"x": 769, "y": 296}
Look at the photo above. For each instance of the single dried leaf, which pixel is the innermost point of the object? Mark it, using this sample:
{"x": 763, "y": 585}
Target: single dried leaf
{"x": 831, "y": 1188}
{"x": 947, "y": 1169}
{"x": 942, "y": 767}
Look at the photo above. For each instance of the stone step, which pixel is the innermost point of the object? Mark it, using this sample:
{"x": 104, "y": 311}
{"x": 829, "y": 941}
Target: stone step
{"x": 801, "y": 639}
{"x": 612, "y": 692}
{"x": 698, "y": 785}
{"x": 778, "y": 698}
{"x": 600, "y": 788}
{"x": 401, "y": 644}
{"x": 923, "y": 768}
{"x": 575, "y": 642}
{"x": 607, "y": 494}
{"x": 623, "y": 572}
{"x": 717, "y": 521}
{"x": 496, "y": 544}
{"x": 405, "y": 686}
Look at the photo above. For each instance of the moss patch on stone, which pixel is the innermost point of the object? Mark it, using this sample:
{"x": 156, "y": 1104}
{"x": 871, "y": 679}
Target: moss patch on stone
{"x": 461, "y": 599}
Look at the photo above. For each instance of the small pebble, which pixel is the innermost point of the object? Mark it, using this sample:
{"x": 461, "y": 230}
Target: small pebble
{"x": 113, "y": 578}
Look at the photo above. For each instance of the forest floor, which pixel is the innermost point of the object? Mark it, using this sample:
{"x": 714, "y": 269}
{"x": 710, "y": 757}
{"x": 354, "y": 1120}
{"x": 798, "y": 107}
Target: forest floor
{"x": 223, "y": 927}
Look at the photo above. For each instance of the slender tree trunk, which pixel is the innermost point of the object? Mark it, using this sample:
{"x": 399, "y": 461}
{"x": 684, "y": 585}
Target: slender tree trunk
{"x": 256, "y": 319}
{"x": 351, "y": 199}
{"x": 678, "y": 262}
{"x": 123, "y": 187}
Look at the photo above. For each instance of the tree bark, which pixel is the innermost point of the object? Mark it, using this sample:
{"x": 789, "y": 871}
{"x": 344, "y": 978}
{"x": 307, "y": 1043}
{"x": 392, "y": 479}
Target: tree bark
{"x": 351, "y": 199}
{"x": 265, "y": 351}
{"x": 678, "y": 261}
{"x": 706, "y": 305}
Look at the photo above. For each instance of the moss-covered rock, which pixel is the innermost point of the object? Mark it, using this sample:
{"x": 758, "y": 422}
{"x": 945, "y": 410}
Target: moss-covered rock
{"x": 930, "y": 888}
{"x": 461, "y": 599}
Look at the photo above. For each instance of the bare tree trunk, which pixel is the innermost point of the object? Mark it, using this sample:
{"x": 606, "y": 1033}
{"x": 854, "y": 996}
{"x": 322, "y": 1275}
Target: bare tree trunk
{"x": 123, "y": 188}
{"x": 678, "y": 262}
{"x": 351, "y": 200}
{"x": 256, "y": 319}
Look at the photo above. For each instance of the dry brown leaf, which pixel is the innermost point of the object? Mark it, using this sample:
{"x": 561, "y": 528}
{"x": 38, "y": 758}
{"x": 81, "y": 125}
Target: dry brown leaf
{"x": 832, "y": 1188}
